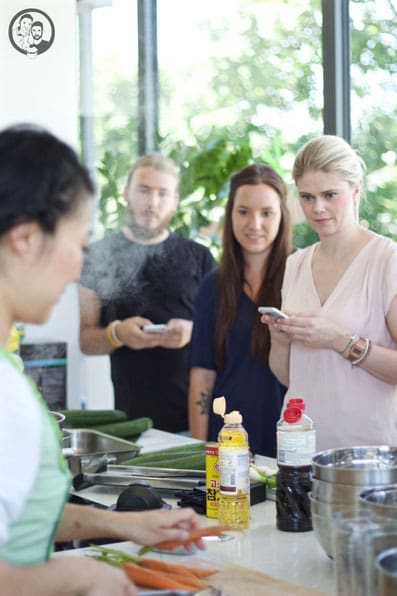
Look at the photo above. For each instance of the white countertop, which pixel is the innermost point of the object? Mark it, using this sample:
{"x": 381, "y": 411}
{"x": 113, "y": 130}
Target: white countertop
{"x": 293, "y": 556}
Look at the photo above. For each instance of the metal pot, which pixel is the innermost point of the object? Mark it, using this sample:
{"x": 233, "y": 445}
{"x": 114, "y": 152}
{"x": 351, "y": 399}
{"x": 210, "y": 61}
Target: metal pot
{"x": 365, "y": 466}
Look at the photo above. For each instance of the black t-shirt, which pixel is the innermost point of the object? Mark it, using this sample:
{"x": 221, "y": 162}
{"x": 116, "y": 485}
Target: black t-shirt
{"x": 160, "y": 282}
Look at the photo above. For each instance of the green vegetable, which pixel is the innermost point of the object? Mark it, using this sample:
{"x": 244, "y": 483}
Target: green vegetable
{"x": 113, "y": 556}
{"x": 263, "y": 474}
{"x": 183, "y": 457}
{"x": 185, "y": 462}
{"x": 126, "y": 428}
{"x": 89, "y": 418}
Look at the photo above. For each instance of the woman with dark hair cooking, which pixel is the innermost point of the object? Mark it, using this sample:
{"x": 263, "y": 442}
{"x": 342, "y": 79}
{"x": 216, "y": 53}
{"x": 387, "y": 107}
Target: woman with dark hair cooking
{"x": 45, "y": 215}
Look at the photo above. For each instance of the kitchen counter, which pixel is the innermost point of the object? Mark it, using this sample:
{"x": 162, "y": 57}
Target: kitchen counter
{"x": 296, "y": 557}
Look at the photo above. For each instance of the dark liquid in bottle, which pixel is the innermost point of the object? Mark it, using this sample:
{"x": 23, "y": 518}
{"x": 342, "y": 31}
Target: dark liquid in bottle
{"x": 292, "y": 499}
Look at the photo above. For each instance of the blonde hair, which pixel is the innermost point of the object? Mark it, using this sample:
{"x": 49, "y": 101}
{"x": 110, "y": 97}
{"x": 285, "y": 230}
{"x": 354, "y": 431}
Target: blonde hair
{"x": 329, "y": 153}
{"x": 157, "y": 162}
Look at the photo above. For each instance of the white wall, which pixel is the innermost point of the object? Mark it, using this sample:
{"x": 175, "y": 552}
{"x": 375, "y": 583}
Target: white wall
{"x": 44, "y": 89}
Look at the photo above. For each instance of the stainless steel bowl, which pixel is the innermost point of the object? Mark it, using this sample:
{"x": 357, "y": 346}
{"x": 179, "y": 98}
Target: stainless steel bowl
{"x": 382, "y": 500}
{"x": 386, "y": 564}
{"x": 90, "y": 450}
{"x": 322, "y": 521}
{"x": 365, "y": 466}
{"x": 327, "y": 509}
{"x": 333, "y": 492}
{"x": 322, "y": 528}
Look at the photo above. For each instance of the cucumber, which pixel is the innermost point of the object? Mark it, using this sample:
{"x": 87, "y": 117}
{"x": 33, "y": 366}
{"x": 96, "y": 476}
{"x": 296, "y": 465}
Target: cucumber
{"x": 189, "y": 462}
{"x": 176, "y": 455}
{"x": 89, "y": 418}
{"x": 126, "y": 428}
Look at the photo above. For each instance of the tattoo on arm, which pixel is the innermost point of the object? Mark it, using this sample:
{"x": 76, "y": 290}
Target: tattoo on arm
{"x": 204, "y": 402}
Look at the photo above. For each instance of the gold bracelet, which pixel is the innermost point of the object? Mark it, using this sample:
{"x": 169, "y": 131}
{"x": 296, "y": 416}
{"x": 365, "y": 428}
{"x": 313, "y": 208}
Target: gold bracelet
{"x": 111, "y": 335}
{"x": 349, "y": 344}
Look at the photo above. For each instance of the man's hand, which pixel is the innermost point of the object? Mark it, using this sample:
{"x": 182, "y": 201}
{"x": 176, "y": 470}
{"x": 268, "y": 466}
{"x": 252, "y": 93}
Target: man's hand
{"x": 130, "y": 332}
{"x": 177, "y": 334}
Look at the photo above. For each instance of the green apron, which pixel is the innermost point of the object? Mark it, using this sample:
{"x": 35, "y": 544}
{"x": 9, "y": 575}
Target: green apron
{"x": 31, "y": 536}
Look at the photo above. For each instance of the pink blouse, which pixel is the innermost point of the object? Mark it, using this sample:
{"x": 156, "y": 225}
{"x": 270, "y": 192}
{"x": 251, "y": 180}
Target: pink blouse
{"x": 349, "y": 406}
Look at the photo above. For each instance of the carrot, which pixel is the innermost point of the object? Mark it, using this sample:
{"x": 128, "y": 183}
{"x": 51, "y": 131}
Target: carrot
{"x": 117, "y": 558}
{"x": 189, "y": 580}
{"x": 176, "y": 567}
{"x": 147, "y": 578}
{"x": 194, "y": 535}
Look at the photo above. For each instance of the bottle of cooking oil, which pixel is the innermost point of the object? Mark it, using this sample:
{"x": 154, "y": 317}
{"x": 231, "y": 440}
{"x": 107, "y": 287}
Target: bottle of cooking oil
{"x": 234, "y": 488}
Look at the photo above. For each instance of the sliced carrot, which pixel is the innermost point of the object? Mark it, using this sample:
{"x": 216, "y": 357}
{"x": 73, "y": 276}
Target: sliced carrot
{"x": 147, "y": 578}
{"x": 194, "y": 535}
{"x": 176, "y": 567}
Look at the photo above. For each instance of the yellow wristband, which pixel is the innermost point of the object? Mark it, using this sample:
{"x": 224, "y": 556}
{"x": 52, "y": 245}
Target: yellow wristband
{"x": 111, "y": 335}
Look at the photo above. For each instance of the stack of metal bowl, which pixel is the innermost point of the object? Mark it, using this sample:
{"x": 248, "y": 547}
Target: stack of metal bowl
{"x": 382, "y": 500}
{"x": 339, "y": 478}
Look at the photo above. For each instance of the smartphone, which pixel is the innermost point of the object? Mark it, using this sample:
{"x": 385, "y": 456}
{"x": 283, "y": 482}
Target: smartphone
{"x": 154, "y": 328}
{"x": 274, "y": 312}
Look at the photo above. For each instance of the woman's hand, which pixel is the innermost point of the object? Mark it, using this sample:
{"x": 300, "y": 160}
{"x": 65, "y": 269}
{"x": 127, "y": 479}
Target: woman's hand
{"x": 157, "y": 525}
{"x": 277, "y": 333}
{"x": 65, "y": 576}
{"x": 105, "y": 579}
{"x": 314, "y": 331}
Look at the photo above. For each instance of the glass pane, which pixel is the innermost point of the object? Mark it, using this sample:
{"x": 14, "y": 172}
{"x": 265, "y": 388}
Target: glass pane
{"x": 236, "y": 84}
{"x": 374, "y": 107}
{"x": 115, "y": 99}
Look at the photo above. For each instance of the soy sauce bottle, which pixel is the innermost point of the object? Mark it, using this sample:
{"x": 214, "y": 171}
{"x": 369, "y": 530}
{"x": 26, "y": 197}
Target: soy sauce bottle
{"x": 296, "y": 444}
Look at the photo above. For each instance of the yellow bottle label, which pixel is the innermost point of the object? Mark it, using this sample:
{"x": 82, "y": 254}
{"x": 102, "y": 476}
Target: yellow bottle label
{"x": 212, "y": 480}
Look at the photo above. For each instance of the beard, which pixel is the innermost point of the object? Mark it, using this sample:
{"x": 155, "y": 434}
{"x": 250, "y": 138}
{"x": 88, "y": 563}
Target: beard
{"x": 141, "y": 233}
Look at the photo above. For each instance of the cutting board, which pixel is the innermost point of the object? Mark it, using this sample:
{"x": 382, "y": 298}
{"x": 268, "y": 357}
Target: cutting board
{"x": 234, "y": 580}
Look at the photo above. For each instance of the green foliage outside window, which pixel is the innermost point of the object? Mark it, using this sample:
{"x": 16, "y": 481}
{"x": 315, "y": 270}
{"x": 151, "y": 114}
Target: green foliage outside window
{"x": 251, "y": 95}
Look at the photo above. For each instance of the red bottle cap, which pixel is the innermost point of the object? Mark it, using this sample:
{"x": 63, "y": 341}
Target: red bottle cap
{"x": 296, "y": 402}
{"x": 292, "y": 414}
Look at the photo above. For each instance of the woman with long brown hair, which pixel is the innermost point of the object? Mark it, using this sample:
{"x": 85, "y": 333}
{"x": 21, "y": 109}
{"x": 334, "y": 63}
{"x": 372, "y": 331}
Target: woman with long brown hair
{"x": 229, "y": 349}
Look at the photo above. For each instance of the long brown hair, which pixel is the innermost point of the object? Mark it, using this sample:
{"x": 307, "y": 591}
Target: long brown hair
{"x": 231, "y": 268}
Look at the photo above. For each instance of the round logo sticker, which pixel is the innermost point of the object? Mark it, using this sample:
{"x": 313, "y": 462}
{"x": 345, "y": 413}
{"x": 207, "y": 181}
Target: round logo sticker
{"x": 31, "y": 32}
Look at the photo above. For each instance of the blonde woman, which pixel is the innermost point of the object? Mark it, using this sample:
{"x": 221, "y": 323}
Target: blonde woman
{"x": 337, "y": 349}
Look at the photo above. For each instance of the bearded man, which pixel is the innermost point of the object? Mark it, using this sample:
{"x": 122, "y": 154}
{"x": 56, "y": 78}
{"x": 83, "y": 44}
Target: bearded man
{"x": 141, "y": 276}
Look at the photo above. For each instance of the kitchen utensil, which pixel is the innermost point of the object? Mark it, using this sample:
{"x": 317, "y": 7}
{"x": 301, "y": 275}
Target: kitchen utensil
{"x": 365, "y": 466}
{"x": 386, "y": 564}
{"x": 382, "y": 500}
{"x": 207, "y": 592}
{"x": 60, "y": 418}
{"x": 322, "y": 520}
{"x": 122, "y": 478}
{"x": 334, "y": 492}
{"x": 348, "y": 531}
{"x": 376, "y": 541}
{"x": 91, "y": 450}
{"x": 139, "y": 497}
{"x": 157, "y": 472}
